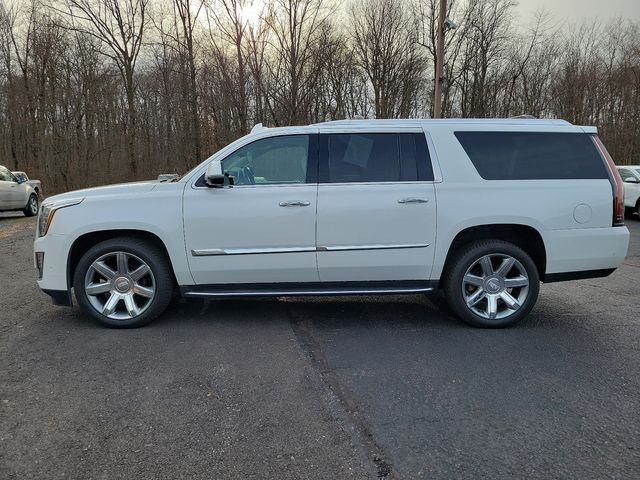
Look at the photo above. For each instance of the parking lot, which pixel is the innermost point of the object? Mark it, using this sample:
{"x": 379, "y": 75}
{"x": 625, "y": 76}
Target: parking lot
{"x": 385, "y": 387}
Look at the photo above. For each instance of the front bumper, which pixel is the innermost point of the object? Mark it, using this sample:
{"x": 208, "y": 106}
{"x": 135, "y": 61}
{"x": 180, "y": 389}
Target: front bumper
{"x": 52, "y": 265}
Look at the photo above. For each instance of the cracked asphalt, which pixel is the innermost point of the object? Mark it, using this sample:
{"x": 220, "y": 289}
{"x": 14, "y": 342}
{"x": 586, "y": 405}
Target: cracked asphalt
{"x": 365, "y": 387}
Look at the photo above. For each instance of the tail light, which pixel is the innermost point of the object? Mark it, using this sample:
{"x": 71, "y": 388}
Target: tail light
{"x": 616, "y": 183}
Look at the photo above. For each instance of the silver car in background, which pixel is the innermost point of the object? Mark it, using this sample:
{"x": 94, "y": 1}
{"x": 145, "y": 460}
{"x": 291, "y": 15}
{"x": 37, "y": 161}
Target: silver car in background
{"x": 17, "y": 195}
{"x": 36, "y": 184}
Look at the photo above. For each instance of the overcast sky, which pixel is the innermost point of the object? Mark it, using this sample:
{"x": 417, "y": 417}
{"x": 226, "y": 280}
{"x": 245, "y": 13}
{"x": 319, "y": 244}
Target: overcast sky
{"x": 582, "y": 9}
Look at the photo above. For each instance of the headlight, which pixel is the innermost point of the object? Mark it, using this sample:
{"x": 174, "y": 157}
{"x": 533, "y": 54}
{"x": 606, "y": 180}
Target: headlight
{"x": 48, "y": 210}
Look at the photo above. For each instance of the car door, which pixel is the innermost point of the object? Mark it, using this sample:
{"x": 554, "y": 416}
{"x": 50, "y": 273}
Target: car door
{"x": 10, "y": 193}
{"x": 376, "y": 207}
{"x": 261, "y": 229}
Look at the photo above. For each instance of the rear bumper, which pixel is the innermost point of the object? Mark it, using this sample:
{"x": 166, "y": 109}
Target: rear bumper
{"x": 584, "y": 253}
{"x": 565, "y": 276}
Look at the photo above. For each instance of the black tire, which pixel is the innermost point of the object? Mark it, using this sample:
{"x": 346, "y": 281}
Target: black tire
{"x": 465, "y": 258}
{"x": 32, "y": 206}
{"x": 155, "y": 259}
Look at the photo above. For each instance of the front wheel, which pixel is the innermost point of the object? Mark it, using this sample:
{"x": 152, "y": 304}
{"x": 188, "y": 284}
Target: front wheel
{"x": 492, "y": 284}
{"x": 123, "y": 282}
{"x": 32, "y": 206}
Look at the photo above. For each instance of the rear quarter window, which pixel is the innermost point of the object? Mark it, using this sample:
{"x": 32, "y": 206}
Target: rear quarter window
{"x": 533, "y": 155}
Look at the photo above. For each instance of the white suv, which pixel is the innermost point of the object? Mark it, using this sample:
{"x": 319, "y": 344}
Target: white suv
{"x": 484, "y": 209}
{"x": 631, "y": 178}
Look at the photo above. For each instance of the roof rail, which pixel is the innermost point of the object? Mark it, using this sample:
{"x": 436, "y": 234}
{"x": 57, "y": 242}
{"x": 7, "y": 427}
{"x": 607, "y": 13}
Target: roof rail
{"x": 524, "y": 117}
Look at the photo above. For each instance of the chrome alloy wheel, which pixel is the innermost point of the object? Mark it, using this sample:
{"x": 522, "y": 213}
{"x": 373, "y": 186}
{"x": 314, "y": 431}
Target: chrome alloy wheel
{"x": 33, "y": 205}
{"x": 495, "y": 286}
{"x": 120, "y": 285}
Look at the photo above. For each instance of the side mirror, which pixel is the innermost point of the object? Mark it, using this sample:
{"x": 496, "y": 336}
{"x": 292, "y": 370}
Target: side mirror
{"x": 631, "y": 180}
{"x": 214, "y": 176}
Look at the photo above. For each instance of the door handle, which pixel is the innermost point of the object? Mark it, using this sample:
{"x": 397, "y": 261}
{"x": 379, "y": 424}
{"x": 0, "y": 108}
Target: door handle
{"x": 413, "y": 200}
{"x": 295, "y": 203}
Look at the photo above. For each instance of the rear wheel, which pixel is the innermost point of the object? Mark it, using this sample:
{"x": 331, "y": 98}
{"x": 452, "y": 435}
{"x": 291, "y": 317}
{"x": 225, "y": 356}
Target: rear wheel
{"x": 32, "y": 206}
{"x": 123, "y": 282}
{"x": 492, "y": 284}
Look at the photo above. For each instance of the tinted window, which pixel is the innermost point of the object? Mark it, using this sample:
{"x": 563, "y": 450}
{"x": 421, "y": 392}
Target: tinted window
{"x": 274, "y": 160}
{"x": 532, "y": 155}
{"x": 376, "y": 157}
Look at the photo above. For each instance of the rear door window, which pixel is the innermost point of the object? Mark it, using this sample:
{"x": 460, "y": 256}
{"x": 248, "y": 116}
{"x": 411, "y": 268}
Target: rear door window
{"x": 375, "y": 157}
{"x": 533, "y": 155}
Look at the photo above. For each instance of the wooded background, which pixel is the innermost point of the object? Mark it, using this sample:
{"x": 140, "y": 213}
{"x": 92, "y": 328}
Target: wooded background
{"x": 100, "y": 91}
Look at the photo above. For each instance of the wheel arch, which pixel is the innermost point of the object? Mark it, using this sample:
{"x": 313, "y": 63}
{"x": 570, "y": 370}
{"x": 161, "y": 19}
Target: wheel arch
{"x": 524, "y": 236}
{"x": 84, "y": 242}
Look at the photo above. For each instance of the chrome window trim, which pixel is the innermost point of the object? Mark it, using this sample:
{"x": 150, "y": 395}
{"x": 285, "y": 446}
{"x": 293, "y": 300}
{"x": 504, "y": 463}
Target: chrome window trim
{"x": 416, "y": 182}
{"x": 256, "y": 185}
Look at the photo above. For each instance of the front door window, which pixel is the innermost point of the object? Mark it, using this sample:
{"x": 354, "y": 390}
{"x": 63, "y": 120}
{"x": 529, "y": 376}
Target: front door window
{"x": 275, "y": 160}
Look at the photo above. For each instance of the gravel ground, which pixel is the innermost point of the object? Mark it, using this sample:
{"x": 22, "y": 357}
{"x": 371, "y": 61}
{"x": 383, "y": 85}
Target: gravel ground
{"x": 386, "y": 387}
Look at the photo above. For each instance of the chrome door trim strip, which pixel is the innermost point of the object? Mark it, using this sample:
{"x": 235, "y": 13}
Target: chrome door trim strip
{"x": 343, "y": 248}
{"x": 207, "y": 252}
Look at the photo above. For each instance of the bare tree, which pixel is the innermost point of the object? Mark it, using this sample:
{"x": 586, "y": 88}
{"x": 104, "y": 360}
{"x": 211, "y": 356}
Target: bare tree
{"x": 119, "y": 26}
{"x": 231, "y": 21}
{"x": 187, "y": 12}
{"x": 297, "y": 58}
{"x": 385, "y": 47}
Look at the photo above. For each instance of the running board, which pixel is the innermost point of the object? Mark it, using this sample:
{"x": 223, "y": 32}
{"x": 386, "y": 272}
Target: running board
{"x": 307, "y": 289}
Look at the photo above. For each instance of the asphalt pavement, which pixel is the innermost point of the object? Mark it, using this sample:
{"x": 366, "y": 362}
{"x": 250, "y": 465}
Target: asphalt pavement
{"x": 305, "y": 388}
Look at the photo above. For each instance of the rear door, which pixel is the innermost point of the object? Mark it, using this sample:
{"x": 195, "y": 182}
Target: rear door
{"x": 376, "y": 207}
{"x": 10, "y": 193}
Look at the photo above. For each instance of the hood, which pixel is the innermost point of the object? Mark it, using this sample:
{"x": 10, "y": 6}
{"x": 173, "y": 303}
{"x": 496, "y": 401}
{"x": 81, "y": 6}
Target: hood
{"x": 107, "y": 190}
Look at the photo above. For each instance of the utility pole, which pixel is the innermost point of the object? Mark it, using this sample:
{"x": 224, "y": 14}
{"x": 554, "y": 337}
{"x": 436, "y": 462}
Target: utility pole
{"x": 437, "y": 97}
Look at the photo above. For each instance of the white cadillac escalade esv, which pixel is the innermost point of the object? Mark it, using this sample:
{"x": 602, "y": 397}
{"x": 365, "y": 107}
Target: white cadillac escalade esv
{"x": 483, "y": 209}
